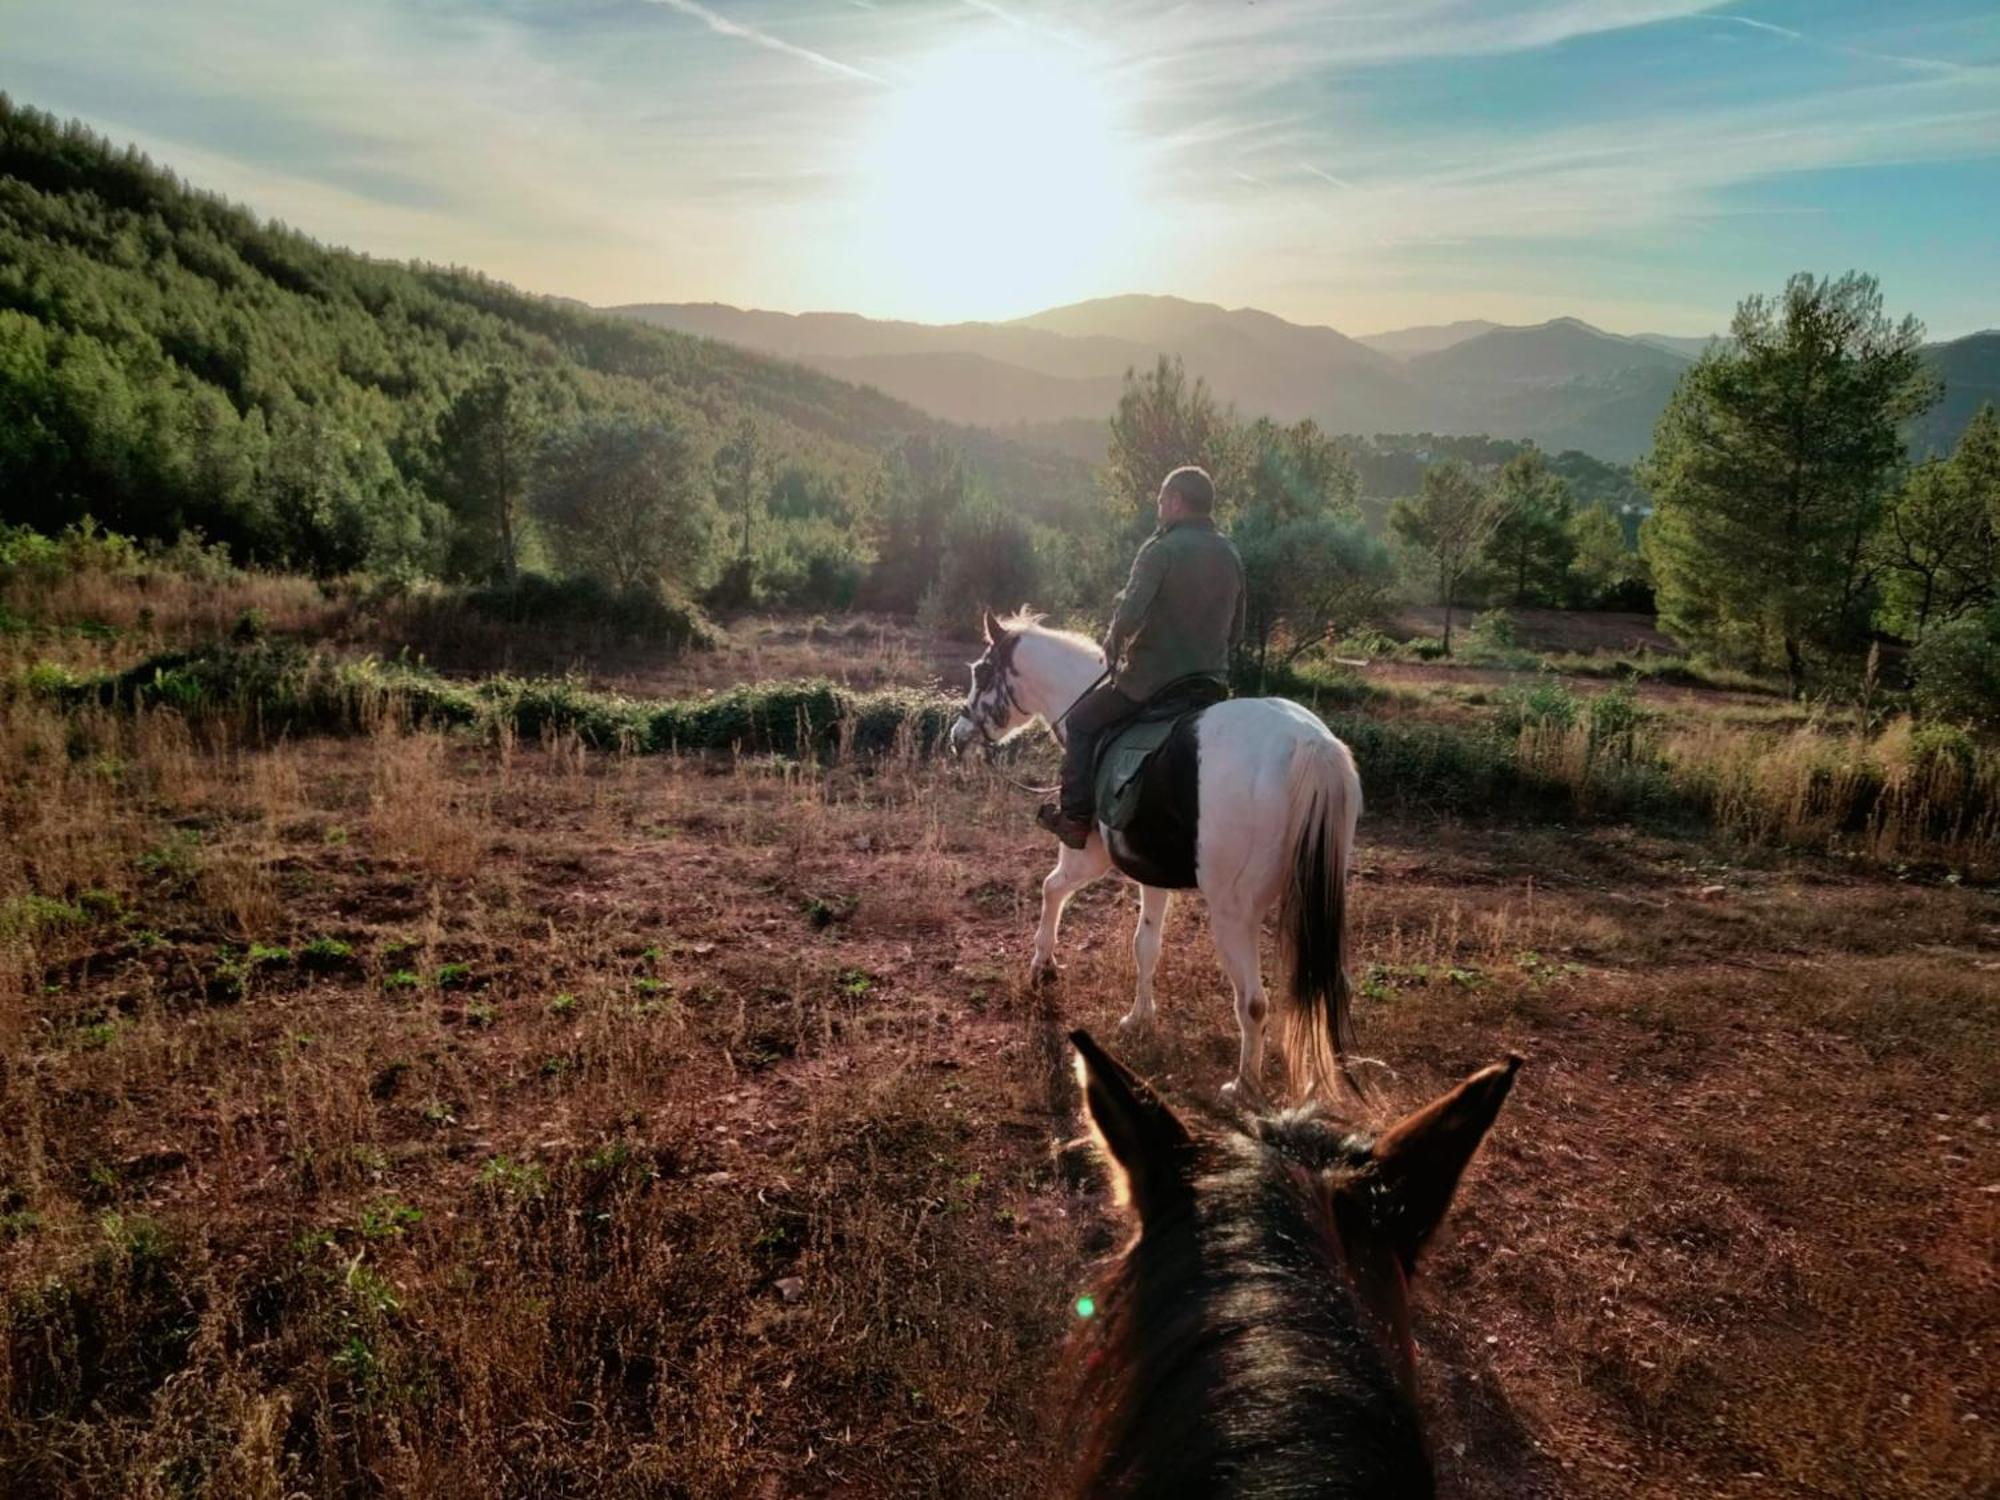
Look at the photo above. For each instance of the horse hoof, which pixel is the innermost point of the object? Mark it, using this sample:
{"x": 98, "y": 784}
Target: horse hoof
{"x": 1133, "y": 1023}
{"x": 1239, "y": 1095}
{"x": 1043, "y": 974}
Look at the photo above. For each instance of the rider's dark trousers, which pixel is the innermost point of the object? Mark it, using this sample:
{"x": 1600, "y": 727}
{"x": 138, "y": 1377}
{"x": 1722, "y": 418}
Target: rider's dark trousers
{"x": 1095, "y": 712}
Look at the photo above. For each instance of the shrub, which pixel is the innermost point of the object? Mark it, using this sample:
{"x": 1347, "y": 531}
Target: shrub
{"x": 534, "y": 599}
{"x": 1546, "y": 705}
{"x": 1957, "y": 671}
{"x": 1496, "y": 628}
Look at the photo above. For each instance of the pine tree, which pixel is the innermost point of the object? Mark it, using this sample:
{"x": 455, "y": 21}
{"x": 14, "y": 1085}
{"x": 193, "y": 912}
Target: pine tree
{"x": 1770, "y": 469}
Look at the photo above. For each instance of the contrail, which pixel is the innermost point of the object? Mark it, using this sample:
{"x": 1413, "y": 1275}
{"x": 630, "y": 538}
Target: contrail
{"x": 723, "y": 26}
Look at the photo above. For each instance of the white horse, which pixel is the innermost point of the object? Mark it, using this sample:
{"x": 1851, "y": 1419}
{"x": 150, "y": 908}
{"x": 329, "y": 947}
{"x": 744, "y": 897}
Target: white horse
{"x": 1275, "y": 798}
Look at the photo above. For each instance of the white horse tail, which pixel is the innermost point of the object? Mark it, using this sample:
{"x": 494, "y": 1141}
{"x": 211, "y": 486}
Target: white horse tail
{"x": 1324, "y": 800}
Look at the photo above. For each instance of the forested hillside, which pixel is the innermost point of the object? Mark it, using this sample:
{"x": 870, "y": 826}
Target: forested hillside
{"x": 168, "y": 361}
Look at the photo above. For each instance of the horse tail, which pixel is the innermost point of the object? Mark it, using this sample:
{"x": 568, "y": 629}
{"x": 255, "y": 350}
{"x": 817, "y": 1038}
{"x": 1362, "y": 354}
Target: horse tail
{"x": 1324, "y": 800}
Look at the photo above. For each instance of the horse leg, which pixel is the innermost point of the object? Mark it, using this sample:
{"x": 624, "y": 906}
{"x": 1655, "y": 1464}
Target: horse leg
{"x": 1236, "y": 944}
{"x": 1075, "y": 869}
{"x": 1153, "y": 903}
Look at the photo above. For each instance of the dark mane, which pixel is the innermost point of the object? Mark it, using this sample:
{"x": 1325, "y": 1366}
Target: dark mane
{"x": 1226, "y": 1357}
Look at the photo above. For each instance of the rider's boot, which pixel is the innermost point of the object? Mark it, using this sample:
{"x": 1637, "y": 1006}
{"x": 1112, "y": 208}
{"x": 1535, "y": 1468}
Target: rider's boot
{"x": 1069, "y": 827}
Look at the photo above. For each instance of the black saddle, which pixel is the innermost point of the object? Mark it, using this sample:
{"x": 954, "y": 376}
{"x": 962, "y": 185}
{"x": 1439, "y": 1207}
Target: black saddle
{"x": 1147, "y": 779}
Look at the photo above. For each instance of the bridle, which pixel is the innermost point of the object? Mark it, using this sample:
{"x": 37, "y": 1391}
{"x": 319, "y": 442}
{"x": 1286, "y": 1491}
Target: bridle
{"x": 1004, "y": 666}
{"x": 1006, "y": 671}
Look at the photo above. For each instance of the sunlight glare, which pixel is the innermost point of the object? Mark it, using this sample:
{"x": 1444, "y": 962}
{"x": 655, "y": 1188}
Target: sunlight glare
{"x": 999, "y": 180}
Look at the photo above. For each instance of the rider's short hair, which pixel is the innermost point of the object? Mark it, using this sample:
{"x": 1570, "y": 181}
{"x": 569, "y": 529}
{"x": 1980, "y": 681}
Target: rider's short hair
{"x": 1194, "y": 486}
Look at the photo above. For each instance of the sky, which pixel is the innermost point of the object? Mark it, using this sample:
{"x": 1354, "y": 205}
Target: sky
{"x": 1642, "y": 164}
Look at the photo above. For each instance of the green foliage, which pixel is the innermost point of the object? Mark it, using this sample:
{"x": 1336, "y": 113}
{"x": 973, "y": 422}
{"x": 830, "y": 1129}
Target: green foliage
{"x": 989, "y": 561}
{"x": 1547, "y": 703}
{"x": 169, "y": 363}
{"x": 1605, "y": 572}
{"x": 1956, "y": 667}
{"x": 1446, "y": 524}
{"x": 1940, "y": 543}
{"x": 283, "y": 688}
{"x": 1770, "y": 468}
{"x": 927, "y": 486}
{"x": 637, "y": 614}
{"x": 1308, "y": 580}
{"x": 1531, "y": 545}
{"x": 1162, "y": 422}
{"x": 622, "y": 501}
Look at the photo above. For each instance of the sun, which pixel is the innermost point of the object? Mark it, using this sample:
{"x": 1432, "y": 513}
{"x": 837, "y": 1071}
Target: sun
{"x": 999, "y": 179}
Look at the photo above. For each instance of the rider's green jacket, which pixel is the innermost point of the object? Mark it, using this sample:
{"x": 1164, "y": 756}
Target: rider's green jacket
{"x": 1181, "y": 611}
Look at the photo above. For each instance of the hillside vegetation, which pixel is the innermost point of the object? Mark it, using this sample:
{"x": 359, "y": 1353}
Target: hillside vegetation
{"x": 170, "y": 362}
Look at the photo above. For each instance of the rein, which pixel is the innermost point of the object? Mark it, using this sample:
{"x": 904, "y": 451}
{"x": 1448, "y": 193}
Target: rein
{"x": 1055, "y": 727}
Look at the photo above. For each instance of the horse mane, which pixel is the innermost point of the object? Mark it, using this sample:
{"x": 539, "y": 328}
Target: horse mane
{"x": 1227, "y": 1357}
{"x": 1026, "y": 621}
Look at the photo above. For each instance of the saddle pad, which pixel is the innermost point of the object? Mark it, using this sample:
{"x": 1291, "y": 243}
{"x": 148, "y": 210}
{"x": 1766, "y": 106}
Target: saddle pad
{"x": 1121, "y": 765}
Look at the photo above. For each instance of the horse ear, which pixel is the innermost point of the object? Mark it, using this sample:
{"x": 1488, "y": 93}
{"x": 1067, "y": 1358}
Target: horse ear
{"x": 1143, "y": 1141}
{"x": 1421, "y": 1157}
{"x": 993, "y": 628}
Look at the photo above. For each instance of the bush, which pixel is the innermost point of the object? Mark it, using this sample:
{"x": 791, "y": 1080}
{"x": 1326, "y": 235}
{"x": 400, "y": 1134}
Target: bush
{"x": 534, "y": 599}
{"x": 1615, "y": 719}
{"x": 1546, "y": 705}
{"x": 1957, "y": 672}
{"x": 1495, "y": 628}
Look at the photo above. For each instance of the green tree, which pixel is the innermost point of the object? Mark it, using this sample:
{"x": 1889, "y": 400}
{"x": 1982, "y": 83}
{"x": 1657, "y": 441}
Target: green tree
{"x": 1604, "y": 572}
{"x": 1308, "y": 581}
{"x": 1531, "y": 545}
{"x": 1939, "y": 543}
{"x": 989, "y": 563}
{"x": 624, "y": 501}
{"x": 1769, "y": 471}
{"x": 486, "y": 450}
{"x": 1310, "y": 569}
{"x": 1293, "y": 473}
{"x": 1447, "y": 523}
{"x": 1162, "y": 422}
{"x": 926, "y": 484}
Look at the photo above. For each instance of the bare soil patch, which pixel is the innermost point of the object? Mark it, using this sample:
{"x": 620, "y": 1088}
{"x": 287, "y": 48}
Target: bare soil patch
{"x": 674, "y": 1127}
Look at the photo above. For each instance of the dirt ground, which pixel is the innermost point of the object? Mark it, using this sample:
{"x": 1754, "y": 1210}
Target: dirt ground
{"x": 670, "y": 1127}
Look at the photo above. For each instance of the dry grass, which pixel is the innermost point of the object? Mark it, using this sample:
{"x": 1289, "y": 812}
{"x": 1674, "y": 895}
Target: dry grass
{"x": 430, "y": 1115}
{"x": 408, "y": 1115}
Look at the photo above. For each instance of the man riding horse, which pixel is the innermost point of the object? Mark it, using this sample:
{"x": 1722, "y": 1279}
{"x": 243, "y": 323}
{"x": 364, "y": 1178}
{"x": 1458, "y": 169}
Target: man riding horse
{"x": 1177, "y": 620}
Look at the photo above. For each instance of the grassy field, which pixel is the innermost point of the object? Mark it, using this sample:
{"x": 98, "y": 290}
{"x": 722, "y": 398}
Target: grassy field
{"x": 471, "y": 1111}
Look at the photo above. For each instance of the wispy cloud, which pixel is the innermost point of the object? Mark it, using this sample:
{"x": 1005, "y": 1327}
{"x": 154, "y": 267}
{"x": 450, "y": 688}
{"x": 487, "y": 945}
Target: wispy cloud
{"x": 721, "y": 25}
{"x": 1870, "y": 54}
{"x": 688, "y": 148}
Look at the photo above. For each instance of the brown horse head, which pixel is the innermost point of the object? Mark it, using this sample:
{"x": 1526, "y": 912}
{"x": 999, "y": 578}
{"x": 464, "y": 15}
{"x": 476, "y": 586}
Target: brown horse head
{"x": 1254, "y": 1336}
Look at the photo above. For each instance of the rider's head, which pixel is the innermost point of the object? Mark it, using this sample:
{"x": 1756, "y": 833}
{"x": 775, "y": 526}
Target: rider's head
{"x": 1185, "y": 493}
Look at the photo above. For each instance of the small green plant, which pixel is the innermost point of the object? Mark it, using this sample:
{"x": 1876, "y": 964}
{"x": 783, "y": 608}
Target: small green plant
{"x": 388, "y": 1218}
{"x": 562, "y": 1005}
{"x": 261, "y": 957}
{"x": 176, "y": 858}
{"x": 322, "y": 955}
{"x": 402, "y": 979}
{"x": 1548, "y": 704}
{"x": 102, "y": 906}
{"x": 514, "y": 1179}
{"x": 32, "y": 916}
{"x": 479, "y": 1013}
{"x": 855, "y": 982}
{"x": 97, "y": 1035}
{"x": 454, "y": 976}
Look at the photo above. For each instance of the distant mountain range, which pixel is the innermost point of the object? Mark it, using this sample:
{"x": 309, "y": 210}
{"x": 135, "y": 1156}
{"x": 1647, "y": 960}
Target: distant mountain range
{"x": 1563, "y": 384}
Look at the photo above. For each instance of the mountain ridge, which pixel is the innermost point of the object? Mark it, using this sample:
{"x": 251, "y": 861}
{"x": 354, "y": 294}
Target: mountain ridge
{"x": 1562, "y": 383}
